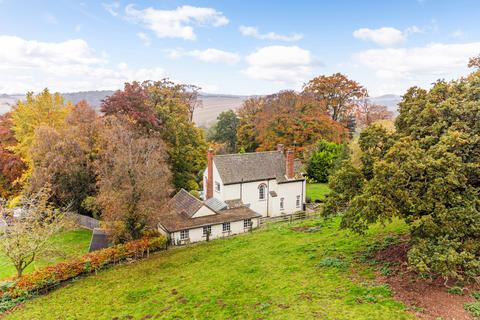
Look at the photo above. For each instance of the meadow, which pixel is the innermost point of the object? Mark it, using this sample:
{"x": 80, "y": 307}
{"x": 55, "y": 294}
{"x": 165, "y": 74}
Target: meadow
{"x": 308, "y": 269}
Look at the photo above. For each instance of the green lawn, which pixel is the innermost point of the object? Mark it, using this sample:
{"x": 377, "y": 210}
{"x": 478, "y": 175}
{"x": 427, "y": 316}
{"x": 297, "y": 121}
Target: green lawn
{"x": 65, "y": 245}
{"x": 317, "y": 191}
{"x": 305, "y": 270}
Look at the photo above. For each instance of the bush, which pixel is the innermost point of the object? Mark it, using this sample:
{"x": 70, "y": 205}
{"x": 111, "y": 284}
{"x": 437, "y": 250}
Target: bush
{"x": 43, "y": 280}
{"x": 323, "y": 160}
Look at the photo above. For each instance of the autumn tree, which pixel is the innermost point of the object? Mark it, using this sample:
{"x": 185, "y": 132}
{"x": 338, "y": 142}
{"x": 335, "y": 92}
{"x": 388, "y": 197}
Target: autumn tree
{"x": 63, "y": 159}
{"x": 11, "y": 165}
{"x": 286, "y": 118}
{"x": 247, "y": 132}
{"x": 26, "y": 237}
{"x": 166, "y": 108}
{"x": 225, "y": 130}
{"x": 134, "y": 179}
{"x": 427, "y": 173}
{"x": 44, "y": 109}
{"x": 367, "y": 113}
{"x": 336, "y": 93}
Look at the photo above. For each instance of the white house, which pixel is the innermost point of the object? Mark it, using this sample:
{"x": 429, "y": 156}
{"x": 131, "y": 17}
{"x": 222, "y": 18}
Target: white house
{"x": 239, "y": 189}
{"x": 270, "y": 183}
{"x": 186, "y": 219}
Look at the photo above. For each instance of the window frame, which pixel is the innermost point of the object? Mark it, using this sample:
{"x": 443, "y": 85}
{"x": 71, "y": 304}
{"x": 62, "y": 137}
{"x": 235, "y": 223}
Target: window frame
{"x": 183, "y": 233}
{"x": 205, "y": 228}
{"x": 247, "y": 223}
{"x": 224, "y": 225}
{"x": 297, "y": 203}
{"x": 282, "y": 204}
{"x": 262, "y": 190}
{"x": 217, "y": 186}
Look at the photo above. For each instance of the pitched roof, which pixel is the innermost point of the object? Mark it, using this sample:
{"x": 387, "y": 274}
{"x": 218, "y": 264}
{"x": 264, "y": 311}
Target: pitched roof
{"x": 235, "y": 168}
{"x": 184, "y": 203}
{"x": 177, "y": 213}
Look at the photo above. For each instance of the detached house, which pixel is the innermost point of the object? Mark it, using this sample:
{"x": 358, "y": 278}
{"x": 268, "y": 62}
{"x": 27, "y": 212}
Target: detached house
{"x": 270, "y": 183}
{"x": 239, "y": 190}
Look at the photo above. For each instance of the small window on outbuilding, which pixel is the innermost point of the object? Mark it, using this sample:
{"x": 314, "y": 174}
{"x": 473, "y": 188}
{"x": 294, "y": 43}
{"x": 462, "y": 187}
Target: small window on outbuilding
{"x": 217, "y": 186}
{"x": 282, "y": 203}
{"x": 207, "y": 230}
{"x": 226, "y": 227}
{"x": 184, "y": 234}
{"x": 298, "y": 202}
{"x": 247, "y": 223}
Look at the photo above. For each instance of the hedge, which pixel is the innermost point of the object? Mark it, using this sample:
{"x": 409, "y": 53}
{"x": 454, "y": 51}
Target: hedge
{"x": 44, "y": 280}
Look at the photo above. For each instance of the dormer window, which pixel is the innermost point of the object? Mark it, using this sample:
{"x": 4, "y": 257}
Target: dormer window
{"x": 262, "y": 191}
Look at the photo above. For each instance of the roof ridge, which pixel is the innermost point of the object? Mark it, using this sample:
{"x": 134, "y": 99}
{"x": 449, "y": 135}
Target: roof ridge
{"x": 246, "y": 153}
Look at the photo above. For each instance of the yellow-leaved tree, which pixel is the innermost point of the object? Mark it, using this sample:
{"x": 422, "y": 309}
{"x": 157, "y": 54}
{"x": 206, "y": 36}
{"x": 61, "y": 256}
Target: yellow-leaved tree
{"x": 43, "y": 109}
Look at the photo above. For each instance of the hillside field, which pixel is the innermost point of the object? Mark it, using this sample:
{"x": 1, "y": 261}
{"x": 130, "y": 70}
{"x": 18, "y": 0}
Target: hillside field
{"x": 304, "y": 270}
{"x": 65, "y": 245}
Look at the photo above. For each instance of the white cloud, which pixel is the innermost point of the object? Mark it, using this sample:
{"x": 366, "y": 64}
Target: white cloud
{"x": 175, "y": 23}
{"x": 29, "y": 65}
{"x": 383, "y": 36}
{"x": 112, "y": 7}
{"x": 253, "y": 32}
{"x": 285, "y": 64}
{"x": 207, "y": 55}
{"x": 144, "y": 38}
{"x": 396, "y": 69}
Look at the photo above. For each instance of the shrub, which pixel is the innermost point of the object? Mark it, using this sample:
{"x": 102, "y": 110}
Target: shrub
{"x": 43, "y": 280}
{"x": 323, "y": 160}
{"x": 473, "y": 308}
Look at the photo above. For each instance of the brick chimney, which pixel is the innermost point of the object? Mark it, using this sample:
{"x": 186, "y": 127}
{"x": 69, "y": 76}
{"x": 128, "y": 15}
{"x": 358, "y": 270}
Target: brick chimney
{"x": 289, "y": 164}
{"x": 280, "y": 148}
{"x": 209, "y": 174}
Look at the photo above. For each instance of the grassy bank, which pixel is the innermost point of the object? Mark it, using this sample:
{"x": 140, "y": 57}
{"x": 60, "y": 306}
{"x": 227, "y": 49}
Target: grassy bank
{"x": 65, "y": 245}
{"x": 317, "y": 191}
{"x": 289, "y": 271}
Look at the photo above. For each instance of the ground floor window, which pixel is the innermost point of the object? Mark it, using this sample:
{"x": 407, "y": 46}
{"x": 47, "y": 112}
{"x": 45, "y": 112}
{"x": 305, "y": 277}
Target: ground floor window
{"x": 282, "y": 203}
{"x": 247, "y": 223}
{"x": 298, "y": 202}
{"x": 184, "y": 234}
{"x": 207, "y": 230}
{"x": 226, "y": 227}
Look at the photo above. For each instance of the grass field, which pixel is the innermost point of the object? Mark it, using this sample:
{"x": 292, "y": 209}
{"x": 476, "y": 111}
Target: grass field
{"x": 317, "y": 191}
{"x": 65, "y": 245}
{"x": 305, "y": 270}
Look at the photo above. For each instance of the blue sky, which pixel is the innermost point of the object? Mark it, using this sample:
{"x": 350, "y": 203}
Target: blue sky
{"x": 236, "y": 47}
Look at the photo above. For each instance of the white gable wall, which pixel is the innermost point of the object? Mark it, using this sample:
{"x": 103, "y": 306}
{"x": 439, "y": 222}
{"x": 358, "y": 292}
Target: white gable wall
{"x": 216, "y": 178}
{"x": 203, "y": 211}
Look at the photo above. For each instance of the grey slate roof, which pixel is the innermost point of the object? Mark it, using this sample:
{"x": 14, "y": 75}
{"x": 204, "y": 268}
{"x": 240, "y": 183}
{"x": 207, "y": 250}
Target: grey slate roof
{"x": 184, "y": 203}
{"x": 215, "y": 204}
{"x": 254, "y": 166}
{"x": 177, "y": 213}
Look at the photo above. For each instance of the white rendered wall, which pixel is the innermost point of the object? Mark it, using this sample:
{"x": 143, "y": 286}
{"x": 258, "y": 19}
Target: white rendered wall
{"x": 196, "y": 234}
{"x": 203, "y": 211}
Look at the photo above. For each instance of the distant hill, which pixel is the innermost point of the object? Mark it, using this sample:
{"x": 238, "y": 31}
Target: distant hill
{"x": 389, "y": 100}
{"x": 212, "y": 104}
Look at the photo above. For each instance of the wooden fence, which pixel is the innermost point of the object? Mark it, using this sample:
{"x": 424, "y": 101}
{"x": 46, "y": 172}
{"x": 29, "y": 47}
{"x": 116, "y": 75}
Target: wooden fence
{"x": 85, "y": 221}
{"x": 300, "y": 215}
